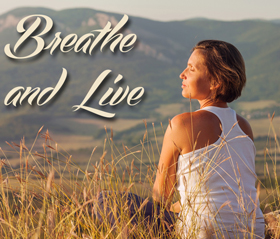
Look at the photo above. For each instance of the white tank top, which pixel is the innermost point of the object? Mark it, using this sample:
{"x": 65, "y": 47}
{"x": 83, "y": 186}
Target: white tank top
{"x": 217, "y": 185}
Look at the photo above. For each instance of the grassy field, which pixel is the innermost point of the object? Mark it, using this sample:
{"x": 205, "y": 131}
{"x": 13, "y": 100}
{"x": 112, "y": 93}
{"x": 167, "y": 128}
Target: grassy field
{"x": 85, "y": 126}
{"x": 80, "y": 146}
{"x": 49, "y": 185}
{"x": 48, "y": 192}
{"x": 117, "y": 125}
{"x": 254, "y": 105}
{"x": 170, "y": 109}
{"x": 261, "y": 127}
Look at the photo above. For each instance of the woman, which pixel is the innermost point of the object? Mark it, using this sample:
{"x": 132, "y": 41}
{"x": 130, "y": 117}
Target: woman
{"x": 209, "y": 155}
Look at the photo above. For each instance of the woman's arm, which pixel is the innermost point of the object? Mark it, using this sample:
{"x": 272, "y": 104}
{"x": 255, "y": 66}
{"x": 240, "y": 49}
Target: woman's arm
{"x": 166, "y": 173}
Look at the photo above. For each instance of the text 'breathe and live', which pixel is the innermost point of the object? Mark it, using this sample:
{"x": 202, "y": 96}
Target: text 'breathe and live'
{"x": 107, "y": 36}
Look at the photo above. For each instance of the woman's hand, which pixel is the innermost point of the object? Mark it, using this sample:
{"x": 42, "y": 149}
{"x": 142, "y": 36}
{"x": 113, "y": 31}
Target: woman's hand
{"x": 176, "y": 207}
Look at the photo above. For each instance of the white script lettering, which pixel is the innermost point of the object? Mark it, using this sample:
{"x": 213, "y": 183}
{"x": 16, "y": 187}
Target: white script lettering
{"x": 86, "y": 43}
{"x": 11, "y": 98}
{"x": 113, "y": 101}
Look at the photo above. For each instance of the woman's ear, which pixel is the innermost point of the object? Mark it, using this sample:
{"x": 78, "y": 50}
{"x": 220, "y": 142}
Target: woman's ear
{"x": 214, "y": 85}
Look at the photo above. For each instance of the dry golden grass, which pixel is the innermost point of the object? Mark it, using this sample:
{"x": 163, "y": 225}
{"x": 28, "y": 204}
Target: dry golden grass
{"x": 261, "y": 127}
{"x": 254, "y": 105}
{"x": 117, "y": 125}
{"x": 170, "y": 109}
{"x": 74, "y": 142}
{"x": 48, "y": 195}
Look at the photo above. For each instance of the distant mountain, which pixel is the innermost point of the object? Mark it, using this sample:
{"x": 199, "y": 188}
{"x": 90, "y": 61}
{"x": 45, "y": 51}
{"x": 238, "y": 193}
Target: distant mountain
{"x": 277, "y": 21}
{"x": 155, "y": 63}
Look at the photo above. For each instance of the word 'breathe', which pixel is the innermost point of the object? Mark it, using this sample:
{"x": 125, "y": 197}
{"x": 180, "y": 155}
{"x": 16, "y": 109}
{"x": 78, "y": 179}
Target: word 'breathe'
{"x": 70, "y": 42}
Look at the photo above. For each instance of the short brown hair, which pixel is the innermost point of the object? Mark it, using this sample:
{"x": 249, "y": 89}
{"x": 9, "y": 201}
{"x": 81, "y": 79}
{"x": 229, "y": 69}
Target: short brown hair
{"x": 226, "y": 68}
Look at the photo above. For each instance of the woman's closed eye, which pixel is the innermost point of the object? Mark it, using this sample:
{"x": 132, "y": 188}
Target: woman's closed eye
{"x": 190, "y": 67}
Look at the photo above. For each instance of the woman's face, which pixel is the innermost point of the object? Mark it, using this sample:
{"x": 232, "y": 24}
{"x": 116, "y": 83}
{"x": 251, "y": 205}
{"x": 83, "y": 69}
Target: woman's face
{"x": 196, "y": 82}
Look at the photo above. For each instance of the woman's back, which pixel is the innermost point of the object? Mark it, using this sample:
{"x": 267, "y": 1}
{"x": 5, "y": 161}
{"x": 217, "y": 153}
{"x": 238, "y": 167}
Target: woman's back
{"x": 217, "y": 182}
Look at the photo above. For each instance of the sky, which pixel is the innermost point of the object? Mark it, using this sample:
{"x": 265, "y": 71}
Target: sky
{"x": 166, "y": 10}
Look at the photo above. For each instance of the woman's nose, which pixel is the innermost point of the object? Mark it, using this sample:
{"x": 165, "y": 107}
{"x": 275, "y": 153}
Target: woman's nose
{"x": 182, "y": 75}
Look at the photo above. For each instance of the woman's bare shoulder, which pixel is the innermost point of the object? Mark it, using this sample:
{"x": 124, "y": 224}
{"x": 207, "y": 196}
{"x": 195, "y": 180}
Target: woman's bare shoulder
{"x": 197, "y": 118}
{"x": 245, "y": 126}
{"x": 180, "y": 120}
{"x": 196, "y": 129}
{"x": 194, "y": 121}
{"x": 180, "y": 127}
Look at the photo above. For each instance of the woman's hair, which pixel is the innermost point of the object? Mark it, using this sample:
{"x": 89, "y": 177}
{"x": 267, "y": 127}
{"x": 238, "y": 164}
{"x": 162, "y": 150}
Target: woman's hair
{"x": 226, "y": 68}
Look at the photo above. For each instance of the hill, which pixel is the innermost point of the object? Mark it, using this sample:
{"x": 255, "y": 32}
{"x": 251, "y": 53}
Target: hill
{"x": 161, "y": 53}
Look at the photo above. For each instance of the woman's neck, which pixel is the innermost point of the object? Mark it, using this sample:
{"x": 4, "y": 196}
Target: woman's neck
{"x": 210, "y": 102}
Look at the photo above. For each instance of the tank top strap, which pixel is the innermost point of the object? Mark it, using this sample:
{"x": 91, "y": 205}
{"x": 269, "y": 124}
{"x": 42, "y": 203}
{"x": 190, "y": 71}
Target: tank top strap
{"x": 227, "y": 117}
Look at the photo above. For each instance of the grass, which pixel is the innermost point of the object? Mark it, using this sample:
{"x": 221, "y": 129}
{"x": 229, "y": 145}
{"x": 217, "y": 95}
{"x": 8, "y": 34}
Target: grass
{"x": 261, "y": 126}
{"x": 87, "y": 127}
{"x": 170, "y": 109}
{"x": 254, "y": 105}
{"x": 48, "y": 194}
{"x": 117, "y": 125}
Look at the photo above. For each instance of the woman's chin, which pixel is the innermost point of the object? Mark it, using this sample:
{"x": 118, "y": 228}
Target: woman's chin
{"x": 185, "y": 95}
